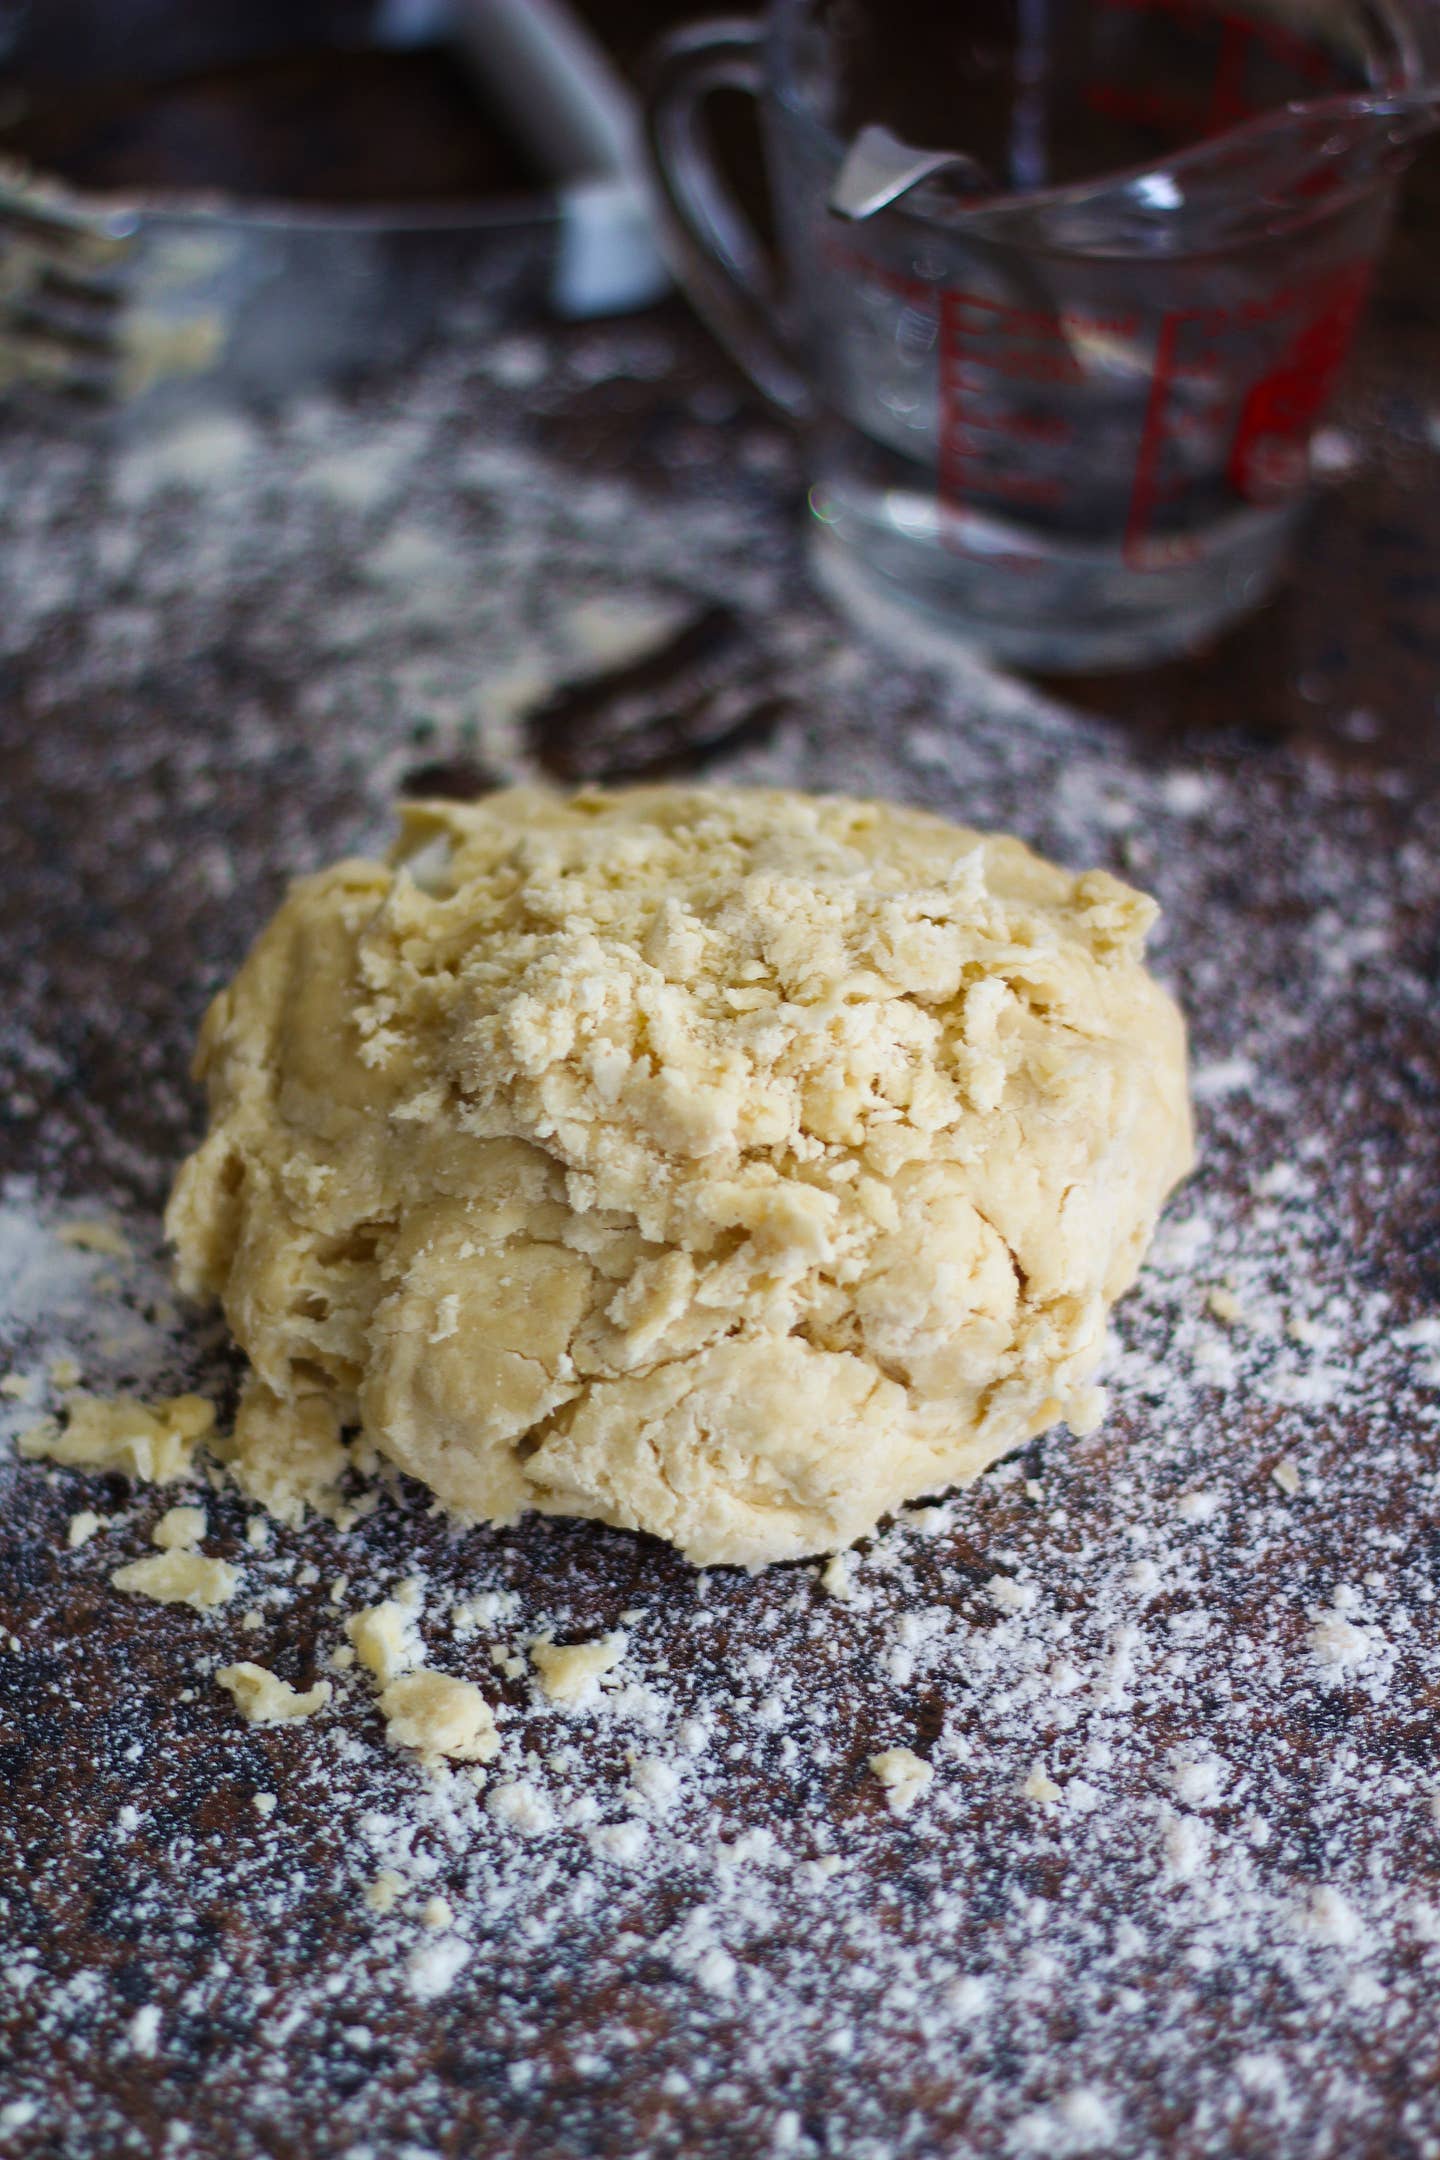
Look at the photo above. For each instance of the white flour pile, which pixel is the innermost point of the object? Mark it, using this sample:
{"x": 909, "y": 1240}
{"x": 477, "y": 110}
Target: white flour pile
{"x": 1175, "y": 1878}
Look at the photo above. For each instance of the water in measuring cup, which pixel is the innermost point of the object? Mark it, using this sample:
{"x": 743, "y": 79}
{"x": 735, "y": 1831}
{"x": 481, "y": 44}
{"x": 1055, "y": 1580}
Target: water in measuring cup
{"x": 1078, "y": 461}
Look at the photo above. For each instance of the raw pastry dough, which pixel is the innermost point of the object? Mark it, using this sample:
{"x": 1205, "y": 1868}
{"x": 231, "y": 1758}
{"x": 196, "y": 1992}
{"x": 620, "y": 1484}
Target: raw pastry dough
{"x": 153, "y": 1442}
{"x": 730, "y": 1165}
{"x": 263, "y": 1698}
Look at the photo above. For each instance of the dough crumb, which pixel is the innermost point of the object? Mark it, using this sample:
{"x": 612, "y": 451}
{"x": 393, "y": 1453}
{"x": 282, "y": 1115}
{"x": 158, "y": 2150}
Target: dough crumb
{"x": 83, "y": 1526}
{"x": 179, "y": 1578}
{"x": 154, "y": 1442}
{"x": 386, "y": 1640}
{"x": 567, "y": 1672}
{"x": 904, "y": 1774}
{"x": 64, "y": 1372}
{"x": 20, "y": 1387}
{"x": 96, "y": 1237}
{"x": 835, "y": 1578}
{"x": 385, "y": 1892}
{"x": 1286, "y": 1474}
{"x": 437, "y": 1715}
{"x": 179, "y": 1527}
{"x": 437, "y": 1912}
{"x": 1040, "y": 1786}
{"x": 1085, "y": 1411}
{"x": 263, "y": 1698}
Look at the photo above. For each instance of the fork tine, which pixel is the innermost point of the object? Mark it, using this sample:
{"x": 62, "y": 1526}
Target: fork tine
{"x": 39, "y": 209}
{"x": 32, "y": 351}
{"x": 60, "y": 292}
{"x": 29, "y": 314}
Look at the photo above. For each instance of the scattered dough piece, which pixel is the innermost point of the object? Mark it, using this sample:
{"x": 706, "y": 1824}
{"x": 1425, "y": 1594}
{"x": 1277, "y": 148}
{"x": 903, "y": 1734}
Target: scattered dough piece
{"x": 1286, "y": 1474}
{"x": 1040, "y": 1786}
{"x": 64, "y": 1372}
{"x": 568, "y": 1671}
{"x": 20, "y": 1387}
{"x": 179, "y": 1527}
{"x": 263, "y": 1698}
{"x": 438, "y": 1715}
{"x": 1085, "y": 1411}
{"x": 83, "y": 1525}
{"x": 153, "y": 1442}
{"x": 386, "y": 1640}
{"x": 180, "y": 1578}
{"x": 96, "y": 1237}
{"x": 835, "y": 1578}
{"x": 904, "y": 1774}
{"x": 732, "y": 1165}
{"x": 385, "y": 1892}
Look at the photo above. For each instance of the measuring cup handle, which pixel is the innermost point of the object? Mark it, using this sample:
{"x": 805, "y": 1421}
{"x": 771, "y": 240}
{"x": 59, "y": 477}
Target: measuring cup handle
{"x": 713, "y": 248}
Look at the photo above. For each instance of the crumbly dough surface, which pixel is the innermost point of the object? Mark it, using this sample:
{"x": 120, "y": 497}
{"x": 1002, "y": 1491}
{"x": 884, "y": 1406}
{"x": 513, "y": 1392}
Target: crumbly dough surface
{"x": 732, "y": 1165}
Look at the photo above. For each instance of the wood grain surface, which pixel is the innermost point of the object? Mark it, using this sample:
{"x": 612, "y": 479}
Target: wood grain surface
{"x": 1175, "y": 1888}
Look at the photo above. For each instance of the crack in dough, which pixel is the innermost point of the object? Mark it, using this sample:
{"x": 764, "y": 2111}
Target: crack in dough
{"x": 732, "y": 1165}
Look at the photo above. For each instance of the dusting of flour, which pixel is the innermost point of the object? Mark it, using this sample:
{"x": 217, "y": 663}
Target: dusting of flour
{"x": 1175, "y": 1876}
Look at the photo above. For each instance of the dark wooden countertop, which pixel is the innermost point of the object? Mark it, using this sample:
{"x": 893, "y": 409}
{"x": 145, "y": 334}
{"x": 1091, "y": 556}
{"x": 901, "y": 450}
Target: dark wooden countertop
{"x": 220, "y": 657}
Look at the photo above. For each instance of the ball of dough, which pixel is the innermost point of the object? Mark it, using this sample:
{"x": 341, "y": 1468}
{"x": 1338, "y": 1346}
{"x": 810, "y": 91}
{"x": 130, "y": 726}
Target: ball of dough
{"x": 732, "y": 1165}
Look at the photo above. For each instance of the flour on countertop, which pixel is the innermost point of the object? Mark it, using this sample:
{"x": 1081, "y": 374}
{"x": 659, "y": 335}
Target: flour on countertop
{"x": 1175, "y": 1683}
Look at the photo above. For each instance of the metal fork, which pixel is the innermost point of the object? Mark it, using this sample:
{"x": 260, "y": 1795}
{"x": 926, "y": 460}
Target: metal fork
{"x": 62, "y": 288}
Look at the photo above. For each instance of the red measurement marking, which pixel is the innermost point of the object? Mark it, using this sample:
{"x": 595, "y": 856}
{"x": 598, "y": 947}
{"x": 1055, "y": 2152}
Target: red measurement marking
{"x": 1269, "y": 454}
{"x": 917, "y": 291}
{"x": 1152, "y": 441}
{"x": 1271, "y": 450}
{"x": 1051, "y": 428}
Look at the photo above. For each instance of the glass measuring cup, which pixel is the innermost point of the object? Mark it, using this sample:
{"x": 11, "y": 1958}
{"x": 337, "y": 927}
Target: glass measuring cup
{"x": 1060, "y": 403}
